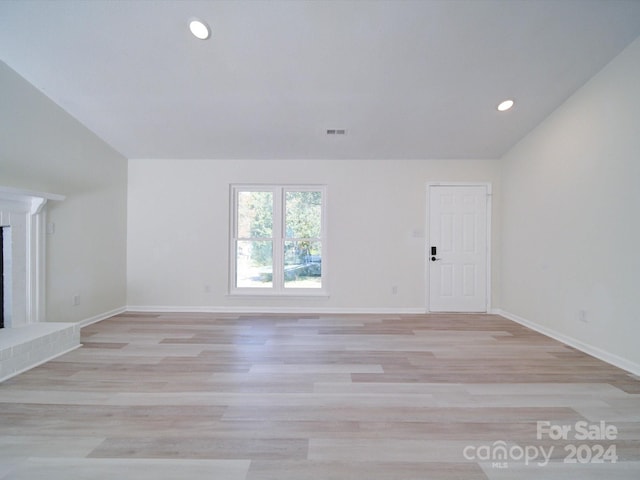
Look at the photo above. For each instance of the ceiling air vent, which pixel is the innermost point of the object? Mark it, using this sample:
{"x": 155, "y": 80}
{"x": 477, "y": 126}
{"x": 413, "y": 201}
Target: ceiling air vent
{"x": 334, "y": 131}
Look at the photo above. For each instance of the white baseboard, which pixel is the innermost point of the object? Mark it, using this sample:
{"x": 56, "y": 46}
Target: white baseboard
{"x": 611, "y": 358}
{"x": 276, "y": 310}
{"x": 102, "y": 316}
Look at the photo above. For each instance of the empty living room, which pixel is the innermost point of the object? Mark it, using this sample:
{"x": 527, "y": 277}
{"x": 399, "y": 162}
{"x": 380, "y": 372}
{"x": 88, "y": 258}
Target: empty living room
{"x": 319, "y": 239}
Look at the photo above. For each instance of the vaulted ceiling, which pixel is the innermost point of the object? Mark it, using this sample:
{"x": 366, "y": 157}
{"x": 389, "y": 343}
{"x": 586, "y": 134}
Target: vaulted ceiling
{"x": 405, "y": 79}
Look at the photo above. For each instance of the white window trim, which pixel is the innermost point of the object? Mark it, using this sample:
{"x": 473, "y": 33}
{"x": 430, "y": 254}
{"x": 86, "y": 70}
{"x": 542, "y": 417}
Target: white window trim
{"x": 278, "y": 289}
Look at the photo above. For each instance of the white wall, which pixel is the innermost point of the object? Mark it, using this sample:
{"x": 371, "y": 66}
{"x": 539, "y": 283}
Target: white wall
{"x": 179, "y": 219}
{"x": 571, "y": 216}
{"x": 42, "y": 148}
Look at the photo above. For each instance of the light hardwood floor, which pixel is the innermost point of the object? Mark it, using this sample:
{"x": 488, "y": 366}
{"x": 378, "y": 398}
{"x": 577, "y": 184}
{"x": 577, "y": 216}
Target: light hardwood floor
{"x": 206, "y": 396}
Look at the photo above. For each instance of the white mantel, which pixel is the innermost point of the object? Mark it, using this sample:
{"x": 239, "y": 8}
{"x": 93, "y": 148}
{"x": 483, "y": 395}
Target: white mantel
{"x": 34, "y": 200}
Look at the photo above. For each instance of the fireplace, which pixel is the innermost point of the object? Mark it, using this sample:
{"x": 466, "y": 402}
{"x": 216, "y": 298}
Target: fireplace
{"x": 22, "y": 218}
{"x": 5, "y": 275}
{"x": 27, "y": 339}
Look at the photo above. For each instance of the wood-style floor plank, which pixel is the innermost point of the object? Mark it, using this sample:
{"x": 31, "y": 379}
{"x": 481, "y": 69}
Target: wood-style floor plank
{"x": 260, "y": 397}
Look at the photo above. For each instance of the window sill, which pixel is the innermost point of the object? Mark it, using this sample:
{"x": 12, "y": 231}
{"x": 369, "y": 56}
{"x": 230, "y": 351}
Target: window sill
{"x": 287, "y": 294}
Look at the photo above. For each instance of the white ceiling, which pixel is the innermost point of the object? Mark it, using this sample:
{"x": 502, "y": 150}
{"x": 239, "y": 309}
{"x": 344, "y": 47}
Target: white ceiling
{"x": 407, "y": 79}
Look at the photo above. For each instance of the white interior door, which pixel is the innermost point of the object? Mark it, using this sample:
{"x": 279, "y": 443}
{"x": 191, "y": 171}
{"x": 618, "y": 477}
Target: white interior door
{"x": 458, "y": 253}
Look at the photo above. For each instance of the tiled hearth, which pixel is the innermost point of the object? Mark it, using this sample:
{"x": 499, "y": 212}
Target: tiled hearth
{"x": 22, "y": 348}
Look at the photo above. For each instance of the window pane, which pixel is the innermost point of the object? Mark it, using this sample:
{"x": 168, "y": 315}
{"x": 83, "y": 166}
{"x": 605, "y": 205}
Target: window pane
{"x": 254, "y": 264}
{"x": 302, "y": 264}
{"x": 255, "y": 214}
{"x": 304, "y": 214}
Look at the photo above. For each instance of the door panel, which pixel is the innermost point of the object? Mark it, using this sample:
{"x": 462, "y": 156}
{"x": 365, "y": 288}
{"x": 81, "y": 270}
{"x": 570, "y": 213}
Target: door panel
{"x": 458, "y": 230}
{"x": 446, "y": 280}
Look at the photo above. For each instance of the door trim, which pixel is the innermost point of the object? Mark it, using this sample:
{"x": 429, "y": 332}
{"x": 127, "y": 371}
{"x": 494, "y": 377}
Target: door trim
{"x": 489, "y": 191}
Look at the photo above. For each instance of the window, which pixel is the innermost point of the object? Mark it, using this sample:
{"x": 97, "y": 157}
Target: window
{"x": 278, "y": 239}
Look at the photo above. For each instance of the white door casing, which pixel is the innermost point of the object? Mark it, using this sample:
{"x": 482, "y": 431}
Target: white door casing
{"x": 459, "y": 230}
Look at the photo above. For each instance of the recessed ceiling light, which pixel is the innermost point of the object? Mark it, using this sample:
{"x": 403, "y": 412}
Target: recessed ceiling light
{"x": 199, "y": 29}
{"x": 504, "y": 106}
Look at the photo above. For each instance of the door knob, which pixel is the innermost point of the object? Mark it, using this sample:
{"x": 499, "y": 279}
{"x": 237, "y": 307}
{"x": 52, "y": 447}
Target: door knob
{"x": 434, "y": 259}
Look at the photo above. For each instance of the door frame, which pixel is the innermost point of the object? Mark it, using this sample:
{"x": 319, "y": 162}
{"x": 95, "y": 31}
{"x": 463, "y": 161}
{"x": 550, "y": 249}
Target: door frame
{"x": 489, "y": 191}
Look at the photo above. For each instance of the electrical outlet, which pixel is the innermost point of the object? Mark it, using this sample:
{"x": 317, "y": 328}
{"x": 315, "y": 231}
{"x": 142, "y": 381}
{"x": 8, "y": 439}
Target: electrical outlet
{"x": 394, "y": 290}
{"x": 76, "y": 300}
